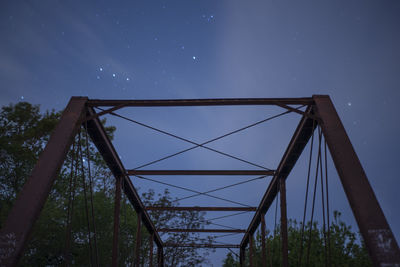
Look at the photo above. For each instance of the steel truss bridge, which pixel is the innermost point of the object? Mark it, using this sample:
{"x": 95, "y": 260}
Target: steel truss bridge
{"x": 317, "y": 112}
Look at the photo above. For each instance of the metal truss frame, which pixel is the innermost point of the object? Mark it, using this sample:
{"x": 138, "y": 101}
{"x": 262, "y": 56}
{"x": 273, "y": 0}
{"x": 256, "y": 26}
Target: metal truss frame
{"x": 378, "y": 237}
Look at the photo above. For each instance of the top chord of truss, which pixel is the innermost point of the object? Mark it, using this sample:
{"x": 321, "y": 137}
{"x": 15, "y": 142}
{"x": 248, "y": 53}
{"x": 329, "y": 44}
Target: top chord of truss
{"x": 202, "y": 102}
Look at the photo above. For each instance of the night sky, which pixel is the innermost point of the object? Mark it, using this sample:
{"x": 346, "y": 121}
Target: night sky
{"x": 52, "y": 50}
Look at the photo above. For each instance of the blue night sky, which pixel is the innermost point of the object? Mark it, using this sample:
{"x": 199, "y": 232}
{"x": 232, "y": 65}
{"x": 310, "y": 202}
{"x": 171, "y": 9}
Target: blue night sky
{"x": 52, "y": 50}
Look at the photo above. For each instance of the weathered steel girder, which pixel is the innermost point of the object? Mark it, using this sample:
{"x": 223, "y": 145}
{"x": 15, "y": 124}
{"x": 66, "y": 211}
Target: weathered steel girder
{"x": 375, "y": 230}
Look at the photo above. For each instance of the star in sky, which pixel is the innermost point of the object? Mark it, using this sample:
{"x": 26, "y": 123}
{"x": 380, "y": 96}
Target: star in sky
{"x": 207, "y": 18}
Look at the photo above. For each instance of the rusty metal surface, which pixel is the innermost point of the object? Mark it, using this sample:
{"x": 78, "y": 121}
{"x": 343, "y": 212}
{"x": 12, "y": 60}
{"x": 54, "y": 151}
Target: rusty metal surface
{"x": 378, "y": 237}
{"x": 251, "y": 251}
{"x": 30, "y": 201}
{"x": 151, "y": 242}
{"x": 170, "y": 230}
{"x": 299, "y": 140}
{"x": 295, "y": 110}
{"x": 263, "y": 249}
{"x": 160, "y": 257}
{"x": 107, "y": 111}
{"x": 138, "y": 239}
{"x": 202, "y": 102}
{"x": 284, "y": 231}
{"x": 242, "y": 256}
{"x": 117, "y": 204}
{"x": 110, "y": 156}
{"x": 201, "y": 172}
{"x": 201, "y": 208}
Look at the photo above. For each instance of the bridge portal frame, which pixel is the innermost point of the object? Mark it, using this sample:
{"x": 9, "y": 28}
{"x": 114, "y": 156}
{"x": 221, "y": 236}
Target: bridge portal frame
{"x": 378, "y": 237}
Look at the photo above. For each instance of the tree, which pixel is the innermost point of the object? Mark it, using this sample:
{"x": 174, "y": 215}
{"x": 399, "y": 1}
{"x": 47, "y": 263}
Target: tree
{"x": 230, "y": 261}
{"x": 346, "y": 247}
{"x": 23, "y": 135}
{"x": 24, "y": 132}
{"x": 178, "y": 219}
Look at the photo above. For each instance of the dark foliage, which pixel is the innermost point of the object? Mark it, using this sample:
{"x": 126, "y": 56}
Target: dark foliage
{"x": 24, "y": 132}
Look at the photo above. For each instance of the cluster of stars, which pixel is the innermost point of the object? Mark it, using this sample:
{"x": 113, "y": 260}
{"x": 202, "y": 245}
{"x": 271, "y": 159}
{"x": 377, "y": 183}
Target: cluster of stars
{"x": 114, "y": 75}
{"x": 209, "y": 18}
{"x": 100, "y": 75}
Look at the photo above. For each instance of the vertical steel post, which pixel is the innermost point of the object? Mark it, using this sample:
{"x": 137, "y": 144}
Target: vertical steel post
{"x": 284, "y": 233}
{"x": 159, "y": 264}
{"x": 30, "y": 201}
{"x": 263, "y": 250}
{"x": 117, "y": 204}
{"x": 242, "y": 256}
{"x": 151, "y": 241}
{"x": 251, "y": 252}
{"x": 138, "y": 239}
{"x": 378, "y": 237}
{"x": 160, "y": 256}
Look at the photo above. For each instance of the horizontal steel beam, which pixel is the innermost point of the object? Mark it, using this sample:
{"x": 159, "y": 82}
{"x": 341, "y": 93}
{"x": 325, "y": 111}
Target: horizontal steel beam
{"x": 201, "y": 172}
{"x": 299, "y": 140}
{"x": 169, "y": 230}
{"x": 202, "y": 208}
{"x": 202, "y": 102}
{"x": 201, "y": 245}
